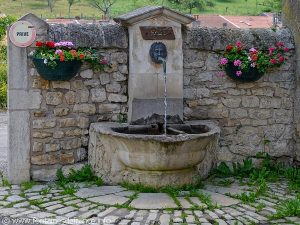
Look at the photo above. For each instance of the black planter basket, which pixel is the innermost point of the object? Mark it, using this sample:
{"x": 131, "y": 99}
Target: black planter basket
{"x": 63, "y": 71}
{"x": 247, "y": 76}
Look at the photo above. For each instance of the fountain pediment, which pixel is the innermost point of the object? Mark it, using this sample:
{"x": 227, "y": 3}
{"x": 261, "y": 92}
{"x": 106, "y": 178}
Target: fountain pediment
{"x": 148, "y": 12}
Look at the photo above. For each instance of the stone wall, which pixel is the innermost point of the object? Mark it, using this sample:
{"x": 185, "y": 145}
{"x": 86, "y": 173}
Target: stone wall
{"x": 253, "y": 117}
{"x": 59, "y": 127}
{"x": 49, "y": 121}
{"x": 291, "y": 18}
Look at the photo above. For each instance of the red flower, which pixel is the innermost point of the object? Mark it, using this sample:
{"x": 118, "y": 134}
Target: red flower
{"x": 103, "y": 61}
{"x": 286, "y": 49}
{"x": 281, "y": 59}
{"x": 229, "y": 48}
{"x": 39, "y": 44}
{"x": 81, "y": 56}
{"x": 50, "y": 44}
{"x": 273, "y": 61}
{"x": 62, "y": 58}
{"x": 280, "y": 44}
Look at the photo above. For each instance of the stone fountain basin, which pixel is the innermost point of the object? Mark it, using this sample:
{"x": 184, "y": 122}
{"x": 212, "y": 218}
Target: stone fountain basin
{"x": 159, "y": 152}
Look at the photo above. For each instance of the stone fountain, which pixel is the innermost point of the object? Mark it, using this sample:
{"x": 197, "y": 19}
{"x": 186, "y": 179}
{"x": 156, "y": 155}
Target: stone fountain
{"x": 156, "y": 148}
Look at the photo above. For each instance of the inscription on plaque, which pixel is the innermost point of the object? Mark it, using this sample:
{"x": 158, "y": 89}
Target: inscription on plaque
{"x": 157, "y": 33}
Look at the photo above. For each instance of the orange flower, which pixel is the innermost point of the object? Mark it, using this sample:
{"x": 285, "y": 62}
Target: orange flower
{"x": 73, "y": 52}
{"x": 254, "y": 57}
{"x": 62, "y": 58}
{"x": 81, "y": 56}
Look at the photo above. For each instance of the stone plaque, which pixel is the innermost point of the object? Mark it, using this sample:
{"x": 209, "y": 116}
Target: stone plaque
{"x": 22, "y": 34}
{"x": 157, "y": 33}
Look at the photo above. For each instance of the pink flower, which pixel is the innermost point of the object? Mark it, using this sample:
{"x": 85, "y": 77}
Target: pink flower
{"x": 103, "y": 61}
{"x": 237, "y": 62}
{"x": 273, "y": 61}
{"x": 58, "y": 52}
{"x": 253, "y": 50}
{"x": 223, "y": 61}
{"x": 238, "y": 73}
{"x": 281, "y": 59}
{"x": 271, "y": 50}
{"x": 239, "y": 44}
{"x": 286, "y": 49}
{"x": 280, "y": 44}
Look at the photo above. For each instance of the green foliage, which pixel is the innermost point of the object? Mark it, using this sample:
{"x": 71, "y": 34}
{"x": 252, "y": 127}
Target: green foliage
{"x": 35, "y": 202}
{"x": 3, "y": 77}
{"x": 251, "y": 197}
{"x": 4, "y": 182}
{"x": 45, "y": 191}
{"x": 225, "y": 182}
{"x": 275, "y": 5}
{"x": 4, "y": 23}
{"x": 260, "y": 207}
{"x": 85, "y": 174}
{"x": 267, "y": 172}
{"x": 287, "y": 208}
{"x": 69, "y": 189}
{"x": 27, "y": 185}
{"x": 238, "y": 169}
{"x": 138, "y": 187}
{"x": 40, "y": 7}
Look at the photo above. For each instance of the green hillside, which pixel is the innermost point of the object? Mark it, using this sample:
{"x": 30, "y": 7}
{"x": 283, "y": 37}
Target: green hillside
{"x": 40, "y": 7}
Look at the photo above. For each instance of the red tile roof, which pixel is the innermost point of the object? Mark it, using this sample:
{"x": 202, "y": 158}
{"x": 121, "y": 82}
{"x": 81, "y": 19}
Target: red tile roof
{"x": 234, "y": 21}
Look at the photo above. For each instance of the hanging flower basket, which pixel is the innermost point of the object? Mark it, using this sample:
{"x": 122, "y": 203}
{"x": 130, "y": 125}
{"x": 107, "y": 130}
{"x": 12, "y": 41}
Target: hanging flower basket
{"x": 246, "y": 76}
{"x": 61, "y": 61}
{"x": 61, "y": 72}
{"x": 248, "y": 65}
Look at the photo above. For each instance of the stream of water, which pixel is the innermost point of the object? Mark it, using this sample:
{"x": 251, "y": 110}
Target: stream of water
{"x": 165, "y": 93}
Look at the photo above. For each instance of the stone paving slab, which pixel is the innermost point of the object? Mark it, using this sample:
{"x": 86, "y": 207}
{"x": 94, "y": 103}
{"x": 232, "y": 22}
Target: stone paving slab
{"x": 98, "y": 191}
{"x": 153, "y": 201}
{"x": 225, "y": 190}
{"x": 220, "y": 199}
{"x": 109, "y": 199}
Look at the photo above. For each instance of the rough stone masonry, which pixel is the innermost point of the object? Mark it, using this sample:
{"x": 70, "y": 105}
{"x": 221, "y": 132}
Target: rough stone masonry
{"x": 54, "y": 117}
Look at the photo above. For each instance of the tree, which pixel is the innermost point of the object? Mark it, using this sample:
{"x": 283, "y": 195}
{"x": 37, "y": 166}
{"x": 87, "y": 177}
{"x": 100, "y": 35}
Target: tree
{"x": 72, "y": 2}
{"x": 191, "y": 4}
{"x": 102, "y": 5}
{"x": 51, "y": 4}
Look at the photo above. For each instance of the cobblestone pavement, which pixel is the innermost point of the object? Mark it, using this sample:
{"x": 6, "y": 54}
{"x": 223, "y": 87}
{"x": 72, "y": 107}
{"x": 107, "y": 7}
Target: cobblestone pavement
{"x": 89, "y": 204}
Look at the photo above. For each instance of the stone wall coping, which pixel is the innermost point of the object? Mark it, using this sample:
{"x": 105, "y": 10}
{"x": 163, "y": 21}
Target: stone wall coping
{"x": 96, "y": 35}
{"x": 216, "y": 39}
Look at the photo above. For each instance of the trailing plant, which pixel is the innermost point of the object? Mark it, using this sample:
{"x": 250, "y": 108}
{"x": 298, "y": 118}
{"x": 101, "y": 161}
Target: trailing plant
{"x": 54, "y": 52}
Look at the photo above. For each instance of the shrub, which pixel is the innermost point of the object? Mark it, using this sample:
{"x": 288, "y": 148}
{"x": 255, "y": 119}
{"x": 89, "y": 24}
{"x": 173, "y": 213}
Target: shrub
{"x": 4, "y": 22}
{"x": 3, "y": 77}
